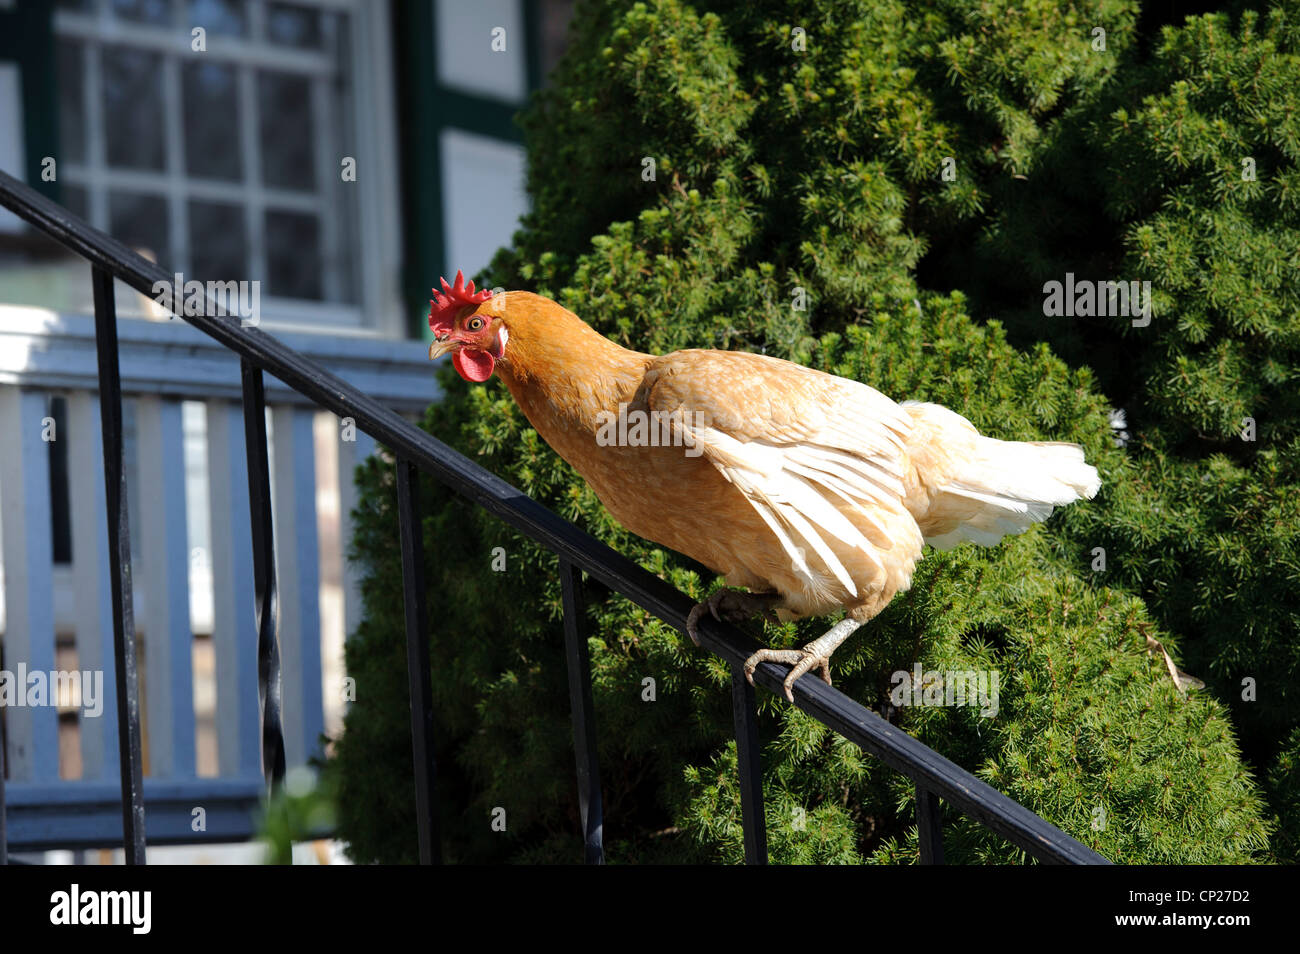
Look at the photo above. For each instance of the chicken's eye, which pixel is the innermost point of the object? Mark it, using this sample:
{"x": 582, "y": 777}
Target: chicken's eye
{"x": 475, "y": 323}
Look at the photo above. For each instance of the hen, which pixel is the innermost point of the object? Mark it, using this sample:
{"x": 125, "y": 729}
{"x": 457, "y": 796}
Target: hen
{"x": 813, "y": 492}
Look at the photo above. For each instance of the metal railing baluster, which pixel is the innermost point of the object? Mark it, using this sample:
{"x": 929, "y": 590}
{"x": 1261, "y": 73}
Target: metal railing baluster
{"x": 578, "y": 659}
{"x": 4, "y": 835}
{"x": 417, "y": 660}
{"x": 744, "y": 710}
{"x": 267, "y": 596}
{"x": 119, "y": 569}
{"x": 929, "y": 826}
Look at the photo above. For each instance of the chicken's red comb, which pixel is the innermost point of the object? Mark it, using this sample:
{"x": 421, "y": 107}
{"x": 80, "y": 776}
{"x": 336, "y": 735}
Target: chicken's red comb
{"x": 443, "y": 307}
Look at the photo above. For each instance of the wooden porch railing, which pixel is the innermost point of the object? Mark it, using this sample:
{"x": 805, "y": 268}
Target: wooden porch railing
{"x": 55, "y": 612}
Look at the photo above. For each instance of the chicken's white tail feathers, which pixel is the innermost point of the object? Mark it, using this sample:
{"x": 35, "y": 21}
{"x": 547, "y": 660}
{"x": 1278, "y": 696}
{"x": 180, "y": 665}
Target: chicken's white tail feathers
{"x": 981, "y": 489}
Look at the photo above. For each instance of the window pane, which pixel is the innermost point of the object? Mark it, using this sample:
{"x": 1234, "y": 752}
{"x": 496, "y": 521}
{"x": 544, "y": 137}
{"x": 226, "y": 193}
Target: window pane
{"x": 218, "y": 249}
{"x": 210, "y": 102}
{"x": 466, "y": 58}
{"x": 156, "y": 12}
{"x": 133, "y": 108}
{"x": 293, "y": 255}
{"x": 219, "y": 17}
{"x": 285, "y": 127}
{"x": 293, "y": 26}
{"x": 483, "y": 186}
{"x": 140, "y": 221}
{"x": 70, "y": 65}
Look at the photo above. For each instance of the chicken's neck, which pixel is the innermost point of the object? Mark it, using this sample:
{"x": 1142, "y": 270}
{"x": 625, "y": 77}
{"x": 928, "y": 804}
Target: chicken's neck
{"x": 563, "y": 373}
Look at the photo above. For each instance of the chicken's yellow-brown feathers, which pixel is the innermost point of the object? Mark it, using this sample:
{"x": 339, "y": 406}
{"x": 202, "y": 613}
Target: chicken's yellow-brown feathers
{"x": 781, "y": 478}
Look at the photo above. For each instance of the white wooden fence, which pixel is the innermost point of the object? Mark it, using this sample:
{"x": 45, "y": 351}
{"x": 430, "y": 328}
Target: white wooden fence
{"x": 192, "y": 603}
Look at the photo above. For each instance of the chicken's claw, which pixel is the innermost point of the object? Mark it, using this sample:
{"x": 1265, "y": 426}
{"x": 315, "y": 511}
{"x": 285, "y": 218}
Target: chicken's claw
{"x": 732, "y": 606}
{"x": 801, "y": 659}
{"x": 816, "y": 655}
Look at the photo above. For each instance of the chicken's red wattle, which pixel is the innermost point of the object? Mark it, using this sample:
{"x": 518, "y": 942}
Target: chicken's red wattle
{"x": 473, "y": 365}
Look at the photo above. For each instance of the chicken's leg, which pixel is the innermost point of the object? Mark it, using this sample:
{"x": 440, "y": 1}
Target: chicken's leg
{"x": 816, "y": 655}
{"x": 734, "y": 606}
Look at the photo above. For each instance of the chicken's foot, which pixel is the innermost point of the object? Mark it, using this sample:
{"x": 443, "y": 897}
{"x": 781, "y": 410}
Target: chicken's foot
{"x": 733, "y": 606}
{"x": 816, "y": 655}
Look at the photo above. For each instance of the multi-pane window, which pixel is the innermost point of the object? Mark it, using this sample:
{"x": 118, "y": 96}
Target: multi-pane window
{"x": 221, "y": 152}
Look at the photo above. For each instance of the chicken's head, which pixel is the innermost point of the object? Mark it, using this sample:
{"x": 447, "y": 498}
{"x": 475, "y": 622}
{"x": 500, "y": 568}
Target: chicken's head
{"x": 474, "y": 335}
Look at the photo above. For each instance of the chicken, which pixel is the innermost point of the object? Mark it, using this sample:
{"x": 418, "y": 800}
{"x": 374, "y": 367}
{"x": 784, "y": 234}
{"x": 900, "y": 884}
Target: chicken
{"x": 814, "y": 493}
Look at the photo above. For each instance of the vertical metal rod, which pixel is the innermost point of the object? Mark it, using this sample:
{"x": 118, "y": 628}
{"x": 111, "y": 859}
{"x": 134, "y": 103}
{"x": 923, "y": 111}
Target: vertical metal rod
{"x": 417, "y": 660}
{"x": 119, "y": 569}
{"x": 267, "y": 610}
{"x": 745, "y": 712}
{"x": 4, "y": 835}
{"x": 929, "y": 827}
{"x": 578, "y": 658}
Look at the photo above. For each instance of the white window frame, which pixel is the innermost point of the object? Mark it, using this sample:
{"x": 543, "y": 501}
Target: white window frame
{"x": 376, "y": 246}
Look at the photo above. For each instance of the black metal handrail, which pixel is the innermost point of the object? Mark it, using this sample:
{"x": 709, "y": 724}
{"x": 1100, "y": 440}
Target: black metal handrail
{"x": 935, "y": 776}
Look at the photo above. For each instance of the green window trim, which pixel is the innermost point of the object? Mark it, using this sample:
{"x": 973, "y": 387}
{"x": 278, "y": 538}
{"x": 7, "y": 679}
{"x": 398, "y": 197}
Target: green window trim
{"x": 27, "y": 38}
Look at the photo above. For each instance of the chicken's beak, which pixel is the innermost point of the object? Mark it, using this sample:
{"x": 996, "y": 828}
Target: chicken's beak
{"x": 438, "y": 348}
